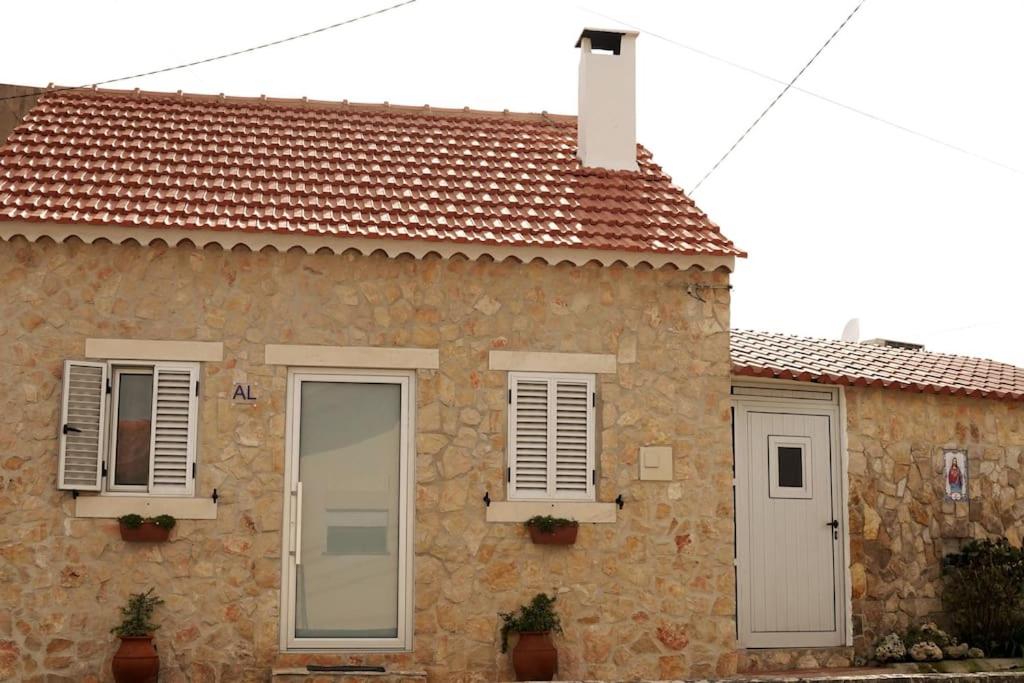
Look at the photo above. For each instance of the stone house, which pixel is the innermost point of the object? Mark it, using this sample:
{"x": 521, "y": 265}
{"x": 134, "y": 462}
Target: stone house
{"x": 351, "y": 348}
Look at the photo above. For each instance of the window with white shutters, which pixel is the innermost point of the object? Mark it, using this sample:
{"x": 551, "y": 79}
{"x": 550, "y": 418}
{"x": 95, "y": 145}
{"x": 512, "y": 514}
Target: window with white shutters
{"x": 129, "y": 427}
{"x": 551, "y": 436}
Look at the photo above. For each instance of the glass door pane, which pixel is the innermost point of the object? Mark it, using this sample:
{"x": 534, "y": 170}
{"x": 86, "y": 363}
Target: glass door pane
{"x": 347, "y": 578}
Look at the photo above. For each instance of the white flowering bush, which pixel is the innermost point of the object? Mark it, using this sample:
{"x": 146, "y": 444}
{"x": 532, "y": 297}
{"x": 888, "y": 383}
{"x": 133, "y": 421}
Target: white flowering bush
{"x": 891, "y": 649}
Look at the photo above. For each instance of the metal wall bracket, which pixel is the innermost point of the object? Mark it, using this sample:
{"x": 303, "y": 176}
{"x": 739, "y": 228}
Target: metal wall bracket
{"x": 619, "y": 501}
{"x": 487, "y": 499}
{"x": 215, "y": 496}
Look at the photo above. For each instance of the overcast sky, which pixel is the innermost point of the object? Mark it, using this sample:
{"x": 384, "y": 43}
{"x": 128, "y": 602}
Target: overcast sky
{"x": 843, "y": 216}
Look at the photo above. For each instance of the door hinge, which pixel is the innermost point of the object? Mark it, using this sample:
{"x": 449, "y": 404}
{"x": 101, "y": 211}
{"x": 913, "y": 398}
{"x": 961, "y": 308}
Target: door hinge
{"x": 508, "y": 473}
{"x": 109, "y": 387}
{"x": 197, "y": 388}
{"x": 103, "y": 469}
{"x": 593, "y": 476}
{"x": 510, "y": 397}
{"x": 593, "y": 399}
{"x": 193, "y": 470}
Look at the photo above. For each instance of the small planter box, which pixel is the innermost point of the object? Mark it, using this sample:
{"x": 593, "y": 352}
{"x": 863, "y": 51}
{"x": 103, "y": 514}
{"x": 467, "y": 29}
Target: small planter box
{"x": 147, "y": 533}
{"x": 562, "y": 535}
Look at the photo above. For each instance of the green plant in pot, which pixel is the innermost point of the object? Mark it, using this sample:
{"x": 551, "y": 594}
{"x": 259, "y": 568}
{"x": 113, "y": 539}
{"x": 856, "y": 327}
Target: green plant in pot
{"x": 136, "y": 660}
{"x": 548, "y": 530}
{"x": 534, "y": 657}
{"x": 139, "y": 529}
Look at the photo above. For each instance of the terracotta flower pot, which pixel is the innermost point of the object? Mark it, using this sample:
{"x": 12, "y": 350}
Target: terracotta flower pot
{"x": 562, "y": 535}
{"x": 534, "y": 657}
{"x": 136, "y": 660}
{"x": 147, "y": 533}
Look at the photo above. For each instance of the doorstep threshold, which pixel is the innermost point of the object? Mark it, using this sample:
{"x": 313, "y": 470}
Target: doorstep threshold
{"x": 322, "y": 673}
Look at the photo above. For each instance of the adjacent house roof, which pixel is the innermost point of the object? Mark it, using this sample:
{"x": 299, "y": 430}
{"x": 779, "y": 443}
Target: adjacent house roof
{"x": 763, "y": 354}
{"x": 208, "y": 163}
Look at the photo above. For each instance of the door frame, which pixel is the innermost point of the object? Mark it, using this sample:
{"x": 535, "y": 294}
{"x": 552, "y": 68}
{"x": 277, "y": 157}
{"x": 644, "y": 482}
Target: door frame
{"x": 407, "y": 481}
{"x": 798, "y": 398}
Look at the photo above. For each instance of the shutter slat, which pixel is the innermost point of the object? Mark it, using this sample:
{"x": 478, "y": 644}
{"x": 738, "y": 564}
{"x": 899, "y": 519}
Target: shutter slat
{"x": 83, "y": 408}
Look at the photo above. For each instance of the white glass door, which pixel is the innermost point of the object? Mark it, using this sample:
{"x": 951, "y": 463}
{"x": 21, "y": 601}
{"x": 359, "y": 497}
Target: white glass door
{"x": 347, "y": 512}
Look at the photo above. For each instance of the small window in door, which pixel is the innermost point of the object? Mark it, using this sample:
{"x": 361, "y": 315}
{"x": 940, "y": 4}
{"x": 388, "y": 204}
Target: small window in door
{"x": 789, "y": 467}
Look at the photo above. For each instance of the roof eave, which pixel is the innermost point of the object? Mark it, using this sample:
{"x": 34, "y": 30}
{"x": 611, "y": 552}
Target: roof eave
{"x": 769, "y": 372}
{"x": 312, "y": 243}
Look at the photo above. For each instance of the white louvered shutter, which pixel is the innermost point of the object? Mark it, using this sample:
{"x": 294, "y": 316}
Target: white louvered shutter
{"x": 82, "y": 426}
{"x": 529, "y": 438}
{"x": 551, "y": 439}
{"x": 175, "y": 416}
{"x": 573, "y": 442}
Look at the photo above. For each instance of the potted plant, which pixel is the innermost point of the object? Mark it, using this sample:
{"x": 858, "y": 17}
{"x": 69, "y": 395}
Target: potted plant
{"x": 534, "y": 657}
{"x": 139, "y": 529}
{"x": 136, "y": 660}
{"x": 548, "y": 530}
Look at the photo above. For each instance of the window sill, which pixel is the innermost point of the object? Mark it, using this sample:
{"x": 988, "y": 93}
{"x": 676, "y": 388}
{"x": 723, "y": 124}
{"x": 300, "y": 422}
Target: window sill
{"x": 148, "y": 506}
{"x": 522, "y": 510}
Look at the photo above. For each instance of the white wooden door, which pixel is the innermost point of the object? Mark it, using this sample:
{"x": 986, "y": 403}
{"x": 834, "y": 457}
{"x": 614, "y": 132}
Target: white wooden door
{"x": 789, "y": 535}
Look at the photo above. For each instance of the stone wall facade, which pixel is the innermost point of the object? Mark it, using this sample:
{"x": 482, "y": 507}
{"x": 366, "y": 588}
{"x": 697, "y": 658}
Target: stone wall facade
{"x": 900, "y": 524}
{"x": 651, "y": 596}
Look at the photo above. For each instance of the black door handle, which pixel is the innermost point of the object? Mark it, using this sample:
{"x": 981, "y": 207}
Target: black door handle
{"x": 834, "y": 524}
{"x": 69, "y": 428}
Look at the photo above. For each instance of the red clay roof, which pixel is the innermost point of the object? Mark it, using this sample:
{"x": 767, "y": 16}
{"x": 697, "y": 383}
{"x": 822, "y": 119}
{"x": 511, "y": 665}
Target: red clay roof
{"x": 458, "y": 176}
{"x": 763, "y": 354}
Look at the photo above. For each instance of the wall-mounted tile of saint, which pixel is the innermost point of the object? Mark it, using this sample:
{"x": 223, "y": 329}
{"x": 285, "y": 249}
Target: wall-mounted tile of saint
{"x": 955, "y": 478}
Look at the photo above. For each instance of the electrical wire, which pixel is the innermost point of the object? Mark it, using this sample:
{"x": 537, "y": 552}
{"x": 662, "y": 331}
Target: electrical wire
{"x": 218, "y": 57}
{"x": 811, "y": 93}
{"x": 778, "y": 97}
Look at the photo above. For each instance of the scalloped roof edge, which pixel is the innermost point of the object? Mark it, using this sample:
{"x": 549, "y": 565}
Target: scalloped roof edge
{"x": 311, "y": 244}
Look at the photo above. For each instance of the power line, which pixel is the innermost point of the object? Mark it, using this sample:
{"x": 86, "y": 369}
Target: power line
{"x": 777, "y": 97}
{"x": 819, "y": 96}
{"x": 218, "y": 57}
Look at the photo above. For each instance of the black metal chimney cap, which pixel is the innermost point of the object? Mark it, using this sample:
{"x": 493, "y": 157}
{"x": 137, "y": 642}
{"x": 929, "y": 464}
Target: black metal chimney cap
{"x": 602, "y": 40}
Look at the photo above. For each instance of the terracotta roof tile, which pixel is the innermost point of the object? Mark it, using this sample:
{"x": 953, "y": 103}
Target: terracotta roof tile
{"x": 162, "y": 160}
{"x": 763, "y": 354}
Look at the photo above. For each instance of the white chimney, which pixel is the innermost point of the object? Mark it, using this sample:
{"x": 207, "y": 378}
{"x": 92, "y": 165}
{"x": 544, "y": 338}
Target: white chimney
{"x": 606, "y": 120}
